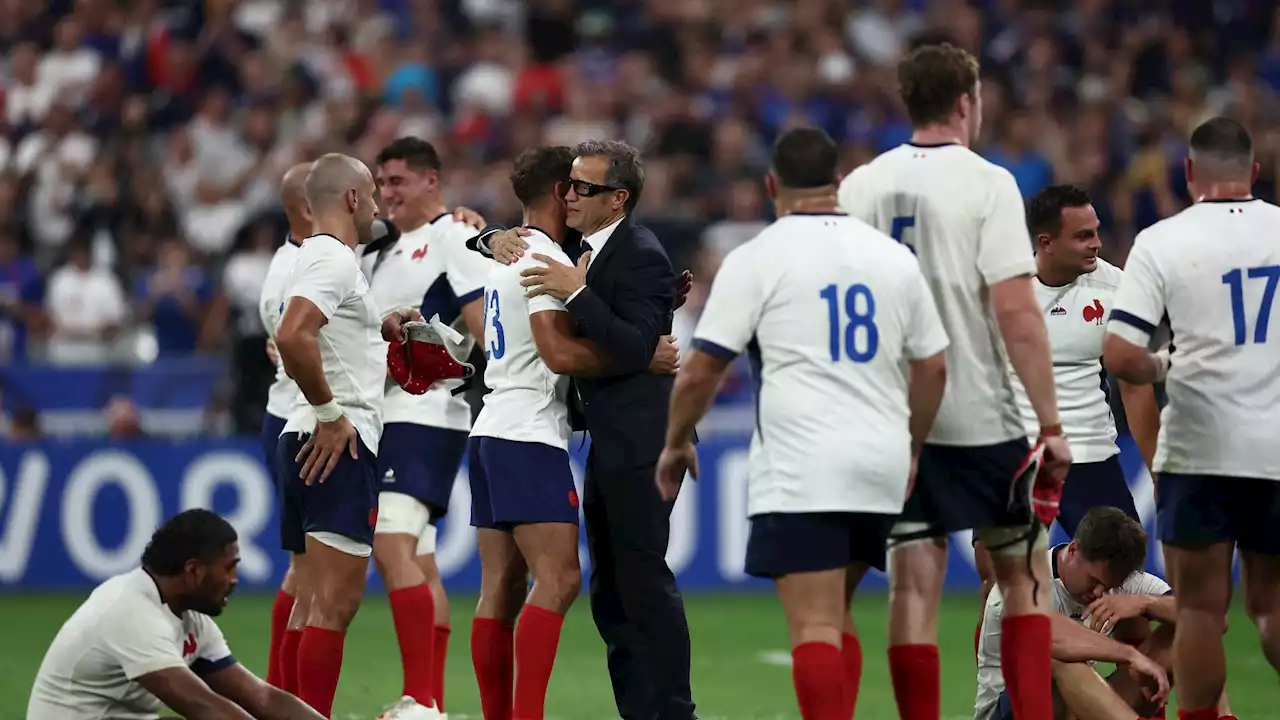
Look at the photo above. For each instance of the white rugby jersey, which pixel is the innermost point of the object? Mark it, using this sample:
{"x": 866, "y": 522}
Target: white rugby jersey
{"x": 431, "y": 269}
{"x": 829, "y": 311}
{"x": 1076, "y": 315}
{"x": 283, "y": 394}
{"x": 1213, "y": 269}
{"x": 526, "y": 402}
{"x": 120, "y": 633}
{"x": 351, "y": 347}
{"x": 964, "y": 219}
{"x": 990, "y": 676}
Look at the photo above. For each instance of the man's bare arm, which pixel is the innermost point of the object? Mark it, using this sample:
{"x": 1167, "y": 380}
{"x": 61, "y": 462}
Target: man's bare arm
{"x": 297, "y": 339}
{"x": 927, "y": 382}
{"x": 1072, "y": 642}
{"x": 1143, "y": 414}
{"x": 264, "y": 702}
{"x": 563, "y": 353}
{"x": 695, "y": 388}
{"x": 1027, "y": 340}
{"x": 189, "y": 696}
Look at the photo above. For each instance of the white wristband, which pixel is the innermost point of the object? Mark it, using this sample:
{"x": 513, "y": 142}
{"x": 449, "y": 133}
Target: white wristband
{"x": 327, "y": 412}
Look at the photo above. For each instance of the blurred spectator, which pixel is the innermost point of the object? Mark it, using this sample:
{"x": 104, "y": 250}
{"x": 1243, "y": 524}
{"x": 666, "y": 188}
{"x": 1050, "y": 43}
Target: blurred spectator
{"x": 21, "y": 299}
{"x": 251, "y": 369}
{"x": 1016, "y": 153}
{"x": 123, "y": 420}
{"x": 54, "y": 158}
{"x": 86, "y": 309}
{"x": 24, "y": 426}
{"x": 174, "y": 298}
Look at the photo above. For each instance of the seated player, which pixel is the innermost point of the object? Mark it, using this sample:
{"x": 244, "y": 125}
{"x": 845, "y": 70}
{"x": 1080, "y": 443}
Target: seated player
{"x": 1099, "y": 593}
{"x": 146, "y": 639}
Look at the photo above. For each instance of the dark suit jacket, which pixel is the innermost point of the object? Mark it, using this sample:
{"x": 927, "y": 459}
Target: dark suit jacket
{"x": 626, "y": 309}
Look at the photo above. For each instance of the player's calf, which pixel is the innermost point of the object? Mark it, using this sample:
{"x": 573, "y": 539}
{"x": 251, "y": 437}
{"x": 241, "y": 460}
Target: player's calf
{"x": 337, "y": 568}
{"x": 551, "y": 551}
{"x": 425, "y": 558}
{"x": 917, "y": 566}
{"x": 1204, "y": 593}
{"x": 814, "y": 606}
{"x": 1261, "y": 579}
{"x": 401, "y": 521}
{"x": 1022, "y": 572}
{"x": 503, "y": 586}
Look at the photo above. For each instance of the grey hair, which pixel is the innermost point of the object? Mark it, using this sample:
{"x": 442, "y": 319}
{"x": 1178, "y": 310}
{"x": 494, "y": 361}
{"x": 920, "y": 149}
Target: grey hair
{"x": 626, "y": 167}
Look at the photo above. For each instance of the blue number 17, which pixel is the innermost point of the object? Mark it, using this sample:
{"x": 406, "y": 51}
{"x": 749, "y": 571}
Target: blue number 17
{"x": 1234, "y": 280}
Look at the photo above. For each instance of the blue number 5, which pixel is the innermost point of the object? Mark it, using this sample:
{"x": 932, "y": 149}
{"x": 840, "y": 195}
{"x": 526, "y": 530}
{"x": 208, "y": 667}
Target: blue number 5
{"x": 863, "y": 318}
{"x": 497, "y": 349}
{"x": 899, "y": 228}
{"x": 1234, "y": 280}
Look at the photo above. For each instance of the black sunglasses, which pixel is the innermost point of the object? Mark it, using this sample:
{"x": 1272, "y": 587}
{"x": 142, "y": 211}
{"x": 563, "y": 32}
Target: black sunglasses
{"x": 589, "y": 189}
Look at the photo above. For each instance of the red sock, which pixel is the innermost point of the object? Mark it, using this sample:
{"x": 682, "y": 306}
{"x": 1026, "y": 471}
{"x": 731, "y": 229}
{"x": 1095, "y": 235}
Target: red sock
{"x": 917, "y": 681}
{"x": 289, "y": 660}
{"x": 1205, "y": 714}
{"x": 1228, "y": 717}
{"x": 280, "y": 611}
{"x": 1025, "y": 642}
{"x": 319, "y": 665}
{"x": 442, "y": 649}
{"x": 494, "y": 661}
{"x": 851, "y": 649}
{"x": 413, "y": 611}
{"x": 536, "y": 639}
{"x": 817, "y": 670}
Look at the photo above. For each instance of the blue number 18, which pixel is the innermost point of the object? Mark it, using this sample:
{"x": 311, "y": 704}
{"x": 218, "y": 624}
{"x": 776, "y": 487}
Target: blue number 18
{"x": 1234, "y": 280}
{"x": 859, "y": 318}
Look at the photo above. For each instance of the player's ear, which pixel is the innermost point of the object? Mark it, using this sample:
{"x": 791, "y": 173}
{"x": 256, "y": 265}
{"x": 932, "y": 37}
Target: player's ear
{"x": 1253, "y": 174}
{"x": 771, "y": 185}
{"x": 1188, "y": 168}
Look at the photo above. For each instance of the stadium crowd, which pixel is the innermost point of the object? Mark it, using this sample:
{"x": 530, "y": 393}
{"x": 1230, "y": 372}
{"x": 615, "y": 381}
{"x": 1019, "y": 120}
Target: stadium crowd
{"x": 141, "y": 143}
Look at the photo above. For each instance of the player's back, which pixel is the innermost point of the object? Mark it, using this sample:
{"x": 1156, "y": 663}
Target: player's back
{"x": 964, "y": 219}
{"x": 833, "y": 337}
{"x": 527, "y": 400}
{"x": 1217, "y": 268}
{"x": 283, "y": 394}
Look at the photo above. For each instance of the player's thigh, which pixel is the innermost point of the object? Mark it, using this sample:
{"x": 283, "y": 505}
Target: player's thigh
{"x": 422, "y": 462}
{"x": 780, "y": 544}
{"x": 341, "y": 511}
{"x": 813, "y": 604}
{"x": 529, "y": 482}
{"x": 1091, "y": 485}
{"x": 503, "y": 575}
{"x": 965, "y": 488}
{"x": 550, "y": 548}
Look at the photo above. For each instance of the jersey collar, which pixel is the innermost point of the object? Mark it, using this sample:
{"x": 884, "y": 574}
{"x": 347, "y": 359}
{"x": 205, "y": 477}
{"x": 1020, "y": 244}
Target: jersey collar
{"x": 1053, "y": 559}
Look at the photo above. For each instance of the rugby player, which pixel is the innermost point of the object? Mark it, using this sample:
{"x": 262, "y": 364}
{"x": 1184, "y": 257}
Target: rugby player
{"x": 146, "y": 639}
{"x": 964, "y": 219}
{"x": 330, "y": 345}
{"x": 851, "y": 371}
{"x": 1212, "y": 271}
{"x": 282, "y": 658}
{"x": 424, "y": 437}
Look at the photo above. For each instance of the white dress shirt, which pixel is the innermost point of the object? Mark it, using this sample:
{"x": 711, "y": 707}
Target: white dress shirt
{"x": 596, "y": 242}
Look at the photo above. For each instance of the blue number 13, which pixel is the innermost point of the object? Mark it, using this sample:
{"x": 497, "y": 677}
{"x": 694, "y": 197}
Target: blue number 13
{"x": 497, "y": 345}
{"x": 863, "y": 318}
{"x": 1234, "y": 280}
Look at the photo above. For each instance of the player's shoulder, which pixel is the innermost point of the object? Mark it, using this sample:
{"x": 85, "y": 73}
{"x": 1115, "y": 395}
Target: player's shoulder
{"x": 323, "y": 246}
{"x": 453, "y": 229}
{"x": 1143, "y": 583}
{"x": 541, "y": 243}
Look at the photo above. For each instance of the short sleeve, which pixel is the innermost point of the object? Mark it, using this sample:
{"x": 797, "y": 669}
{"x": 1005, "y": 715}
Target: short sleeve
{"x": 854, "y": 201}
{"x": 1140, "y": 302}
{"x": 1144, "y": 583}
{"x": 543, "y": 302}
{"x": 926, "y": 336}
{"x": 141, "y": 642}
{"x": 732, "y": 312}
{"x": 324, "y": 279}
{"x": 465, "y": 269}
{"x": 1004, "y": 244}
{"x": 212, "y": 653}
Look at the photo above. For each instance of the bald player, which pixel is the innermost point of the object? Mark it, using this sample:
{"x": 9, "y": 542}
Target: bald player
{"x": 281, "y": 398}
{"x": 330, "y": 345}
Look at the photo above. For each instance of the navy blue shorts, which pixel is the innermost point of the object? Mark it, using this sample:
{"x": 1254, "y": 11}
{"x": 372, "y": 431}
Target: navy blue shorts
{"x": 421, "y": 462}
{"x": 346, "y": 503}
{"x": 516, "y": 483}
{"x": 1091, "y": 485}
{"x": 967, "y": 488}
{"x": 788, "y": 543}
{"x": 272, "y": 426}
{"x": 1198, "y": 510}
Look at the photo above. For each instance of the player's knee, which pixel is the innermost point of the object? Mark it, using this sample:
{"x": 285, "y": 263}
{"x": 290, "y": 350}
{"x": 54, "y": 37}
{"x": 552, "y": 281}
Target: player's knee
{"x": 561, "y": 583}
{"x": 334, "y": 610}
{"x": 1014, "y": 542}
{"x": 393, "y": 556}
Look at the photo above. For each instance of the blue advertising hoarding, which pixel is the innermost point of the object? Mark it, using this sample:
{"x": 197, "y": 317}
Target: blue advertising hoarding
{"x": 74, "y": 513}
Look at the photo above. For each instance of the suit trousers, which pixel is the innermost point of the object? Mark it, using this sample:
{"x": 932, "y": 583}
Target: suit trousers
{"x": 634, "y": 600}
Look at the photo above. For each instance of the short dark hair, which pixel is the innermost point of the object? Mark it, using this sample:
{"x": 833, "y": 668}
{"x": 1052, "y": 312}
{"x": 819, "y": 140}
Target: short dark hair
{"x": 1044, "y": 209}
{"x": 626, "y": 168}
{"x": 1107, "y": 535}
{"x": 805, "y": 157}
{"x": 1224, "y": 140}
{"x": 417, "y": 153}
{"x": 537, "y": 172}
{"x": 191, "y": 535}
{"x": 932, "y": 77}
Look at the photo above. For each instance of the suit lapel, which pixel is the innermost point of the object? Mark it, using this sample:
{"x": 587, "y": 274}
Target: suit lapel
{"x": 621, "y": 234}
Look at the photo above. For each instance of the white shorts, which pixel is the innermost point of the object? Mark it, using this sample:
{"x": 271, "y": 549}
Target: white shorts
{"x": 405, "y": 515}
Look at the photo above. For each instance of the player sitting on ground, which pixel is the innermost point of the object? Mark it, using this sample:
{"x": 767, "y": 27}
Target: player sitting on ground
{"x": 146, "y": 639}
{"x": 524, "y": 503}
{"x": 427, "y": 267}
{"x": 1098, "y": 588}
{"x": 1212, "y": 271}
{"x": 330, "y": 345}
{"x": 851, "y": 373}
{"x": 963, "y": 217}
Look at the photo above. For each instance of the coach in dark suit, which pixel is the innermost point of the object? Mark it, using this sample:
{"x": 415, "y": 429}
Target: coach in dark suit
{"x": 621, "y": 293}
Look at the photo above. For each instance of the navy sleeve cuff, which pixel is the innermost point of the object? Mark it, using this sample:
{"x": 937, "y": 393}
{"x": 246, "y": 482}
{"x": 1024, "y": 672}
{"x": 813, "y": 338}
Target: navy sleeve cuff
{"x": 480, "y": 243}
{"x": 1133, "y": 321}
{"x": 714, "y": 350}
{"x": 468, "y": 297}
{"x": 205, "y": 668}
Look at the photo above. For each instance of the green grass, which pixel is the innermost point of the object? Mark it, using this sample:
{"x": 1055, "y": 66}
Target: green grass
{"x": 739, "y": 656}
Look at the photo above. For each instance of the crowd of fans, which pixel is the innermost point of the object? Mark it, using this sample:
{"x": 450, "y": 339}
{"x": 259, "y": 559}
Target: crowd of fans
{"x": 141, "y": 142}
